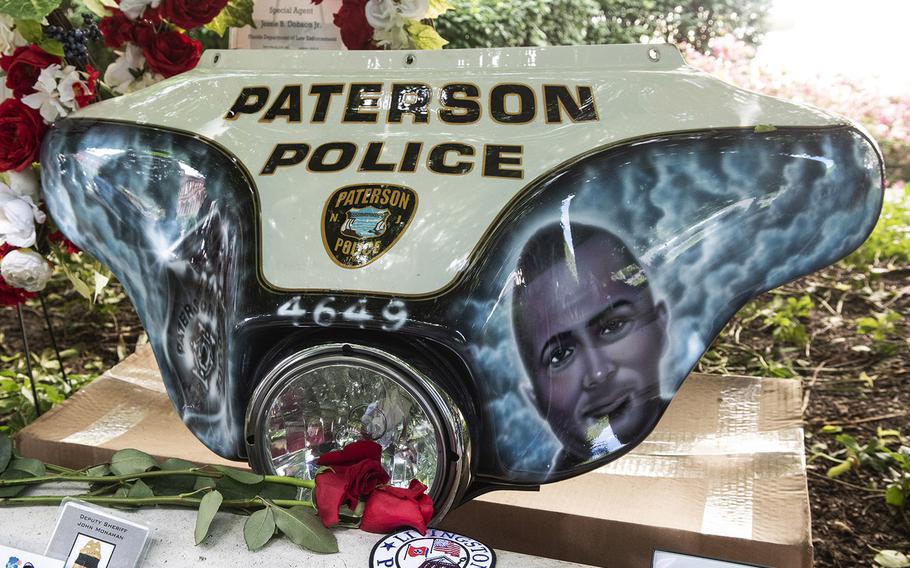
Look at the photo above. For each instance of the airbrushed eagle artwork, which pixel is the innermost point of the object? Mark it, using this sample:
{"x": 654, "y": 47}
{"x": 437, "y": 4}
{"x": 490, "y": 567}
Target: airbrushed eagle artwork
{"x": 499, "y": 264}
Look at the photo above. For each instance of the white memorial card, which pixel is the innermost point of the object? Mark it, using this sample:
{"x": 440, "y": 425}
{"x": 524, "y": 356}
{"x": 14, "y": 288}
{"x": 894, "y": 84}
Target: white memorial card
{"x": 290, "y": 24}
{"x": 664, "y": 559}
{"x": 91, "y": 537}
{"x": 15, "y": 558}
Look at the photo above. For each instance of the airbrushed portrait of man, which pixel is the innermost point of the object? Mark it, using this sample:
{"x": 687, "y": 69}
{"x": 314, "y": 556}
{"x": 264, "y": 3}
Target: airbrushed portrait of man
{"x": 590, "y": 336}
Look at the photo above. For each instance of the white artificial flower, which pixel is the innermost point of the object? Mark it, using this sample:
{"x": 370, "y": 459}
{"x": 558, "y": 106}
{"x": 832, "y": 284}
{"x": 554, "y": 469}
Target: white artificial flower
{"x": 46, "y": 98}
{"x": 121, "y": 74}
{"x": 18, "y": 214}
{"x": 134, "y": 8}
{"x": 10, "y": 39}
{"x": 382, "y": 14}
{"x": 26, "y": 269}
{"x": 389, "y": 18}
{"x": 69, "y": 80}
{"x": 24, "y": 183}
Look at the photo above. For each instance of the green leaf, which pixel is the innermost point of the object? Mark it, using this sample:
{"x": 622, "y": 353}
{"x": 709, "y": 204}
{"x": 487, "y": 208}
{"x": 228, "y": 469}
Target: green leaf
{"x": 34, "y": 467}
{"x": 6, "y": 451}
{"x": 30, "y": 30}
{"x": 210, "y": 504}
{"x": 13, "y": 490}
{"x": 29, "y": 9}
{"x": 97, "y": 7}
{"x": 52, "y": 46}
{"x": 233, "y": 490}
{"x": 892, "y": 559}
{"x": 278, "y": 491}
{"x": 762, "y": 128}
{"x": 130, "y": 461}
{"x": 236, "y": 14}
{"x": 438, "y": 8}
{"x": 245, "y": 477}
{"x": 99, "y": 470}
{"x": 174, "y": 484}
{"x": 303, "y": 528}
{"x": 203, "y": 482}
{"x": 894, "y": 496}
{"x": 840, "y": 469}
{"x": 259, "y": 528}
{"x": 140, "y": 490}
{"x": 424, "y": 36}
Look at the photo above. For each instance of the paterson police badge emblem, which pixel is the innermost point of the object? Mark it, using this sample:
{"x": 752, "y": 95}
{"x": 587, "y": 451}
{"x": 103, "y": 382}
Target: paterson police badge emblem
{"x": 436, "y": 549}
{"x": 361, "y": 222}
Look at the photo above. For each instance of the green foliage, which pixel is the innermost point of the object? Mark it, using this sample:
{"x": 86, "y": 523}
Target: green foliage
{"x": 16, "y": 406}
{"x": 880, "y": 327}
{"x": 303, "y": 528}
{"x": 512, "y": 23}
{"x": 209, "y": 505}
{"x": 889, "y": 243}
{"x": 29, "y": 9}
{"x": 236, "y": 14}
{"x": 131, "y": 461}
{"x": 259, "y": 528}
{"x": 784, "y": 317}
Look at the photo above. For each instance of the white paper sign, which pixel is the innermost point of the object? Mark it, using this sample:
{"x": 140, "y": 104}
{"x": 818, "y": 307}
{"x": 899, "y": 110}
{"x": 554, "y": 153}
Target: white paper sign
{"x": 91, "y": 537}
{"x": 15, "y": 558}
{"x": 290, "y": 24}
{"x": 674, "y": 560}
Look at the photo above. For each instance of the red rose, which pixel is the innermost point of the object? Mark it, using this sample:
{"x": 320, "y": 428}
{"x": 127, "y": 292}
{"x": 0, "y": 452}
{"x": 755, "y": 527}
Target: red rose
{"x": 21, "y": 129}
{"x": 189, "y": 14}
{"x": 171, "y": 53}
{"x": 356, "y": 472}
{"x": 23, "y": 67}
{"x": 116, "y": 29}
{"x": 144, "y": 33}
{"x": 390, "y": 508}
{"x": 351, "y": 19}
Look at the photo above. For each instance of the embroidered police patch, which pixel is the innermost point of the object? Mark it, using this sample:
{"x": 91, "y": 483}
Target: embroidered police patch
{"x": 361, "y": 222}
{"x": 436, "y": 549}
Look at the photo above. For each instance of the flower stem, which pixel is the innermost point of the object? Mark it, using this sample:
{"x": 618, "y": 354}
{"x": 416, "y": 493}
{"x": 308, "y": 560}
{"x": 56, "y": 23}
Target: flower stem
{"x": 106, "y": 478}
{"x": 294, "y": 481}
{"x": 178, "y": 500}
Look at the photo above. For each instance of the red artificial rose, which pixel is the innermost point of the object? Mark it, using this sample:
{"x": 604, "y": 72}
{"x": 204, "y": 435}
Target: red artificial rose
{"x": 355, "y": 472}
{"x": 390, "y": 508}
{"x": 351, "y": 19}
{"x": 116, "y": 29}
{"x": 21, "y": 130}
{"x": 170, "y": 53}
{"x": 189, "y": 14}
{"x": 144, "y": 33}
{"x": 23, "y": 67}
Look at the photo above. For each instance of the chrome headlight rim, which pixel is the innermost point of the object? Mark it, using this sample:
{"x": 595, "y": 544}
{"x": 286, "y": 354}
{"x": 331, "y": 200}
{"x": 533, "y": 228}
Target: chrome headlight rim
{"x": 453, "y": 468}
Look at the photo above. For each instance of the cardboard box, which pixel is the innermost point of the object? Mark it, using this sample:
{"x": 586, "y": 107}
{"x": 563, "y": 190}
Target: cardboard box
{"x": 722, "y": 475}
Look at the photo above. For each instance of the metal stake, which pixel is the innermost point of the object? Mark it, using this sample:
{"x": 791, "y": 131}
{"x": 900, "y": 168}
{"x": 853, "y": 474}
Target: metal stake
{"x": 28, "y": 360}
{"x": 50, "y": 331}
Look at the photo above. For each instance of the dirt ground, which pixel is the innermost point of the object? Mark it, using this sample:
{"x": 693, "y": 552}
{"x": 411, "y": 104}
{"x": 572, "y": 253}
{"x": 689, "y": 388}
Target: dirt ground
{"x": 850, "y": 519}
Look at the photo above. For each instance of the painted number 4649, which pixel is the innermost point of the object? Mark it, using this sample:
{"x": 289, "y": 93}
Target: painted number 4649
{"x": 394, "y": 314}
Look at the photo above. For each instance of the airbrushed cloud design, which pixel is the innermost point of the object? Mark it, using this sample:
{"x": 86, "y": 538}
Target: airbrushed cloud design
{"x": 712, "y": 218}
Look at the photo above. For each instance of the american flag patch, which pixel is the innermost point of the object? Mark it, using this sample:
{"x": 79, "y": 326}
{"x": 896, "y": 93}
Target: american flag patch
{"x": 447, "y": 546}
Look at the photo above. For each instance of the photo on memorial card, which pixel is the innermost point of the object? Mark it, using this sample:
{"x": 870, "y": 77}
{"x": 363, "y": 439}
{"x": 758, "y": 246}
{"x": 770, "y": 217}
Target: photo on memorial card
{"x": 89, "y": 552}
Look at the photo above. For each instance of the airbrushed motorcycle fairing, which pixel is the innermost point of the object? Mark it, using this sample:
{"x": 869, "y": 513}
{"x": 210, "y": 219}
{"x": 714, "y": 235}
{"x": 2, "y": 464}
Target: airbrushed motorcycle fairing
{"x": 545, "y": 252}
